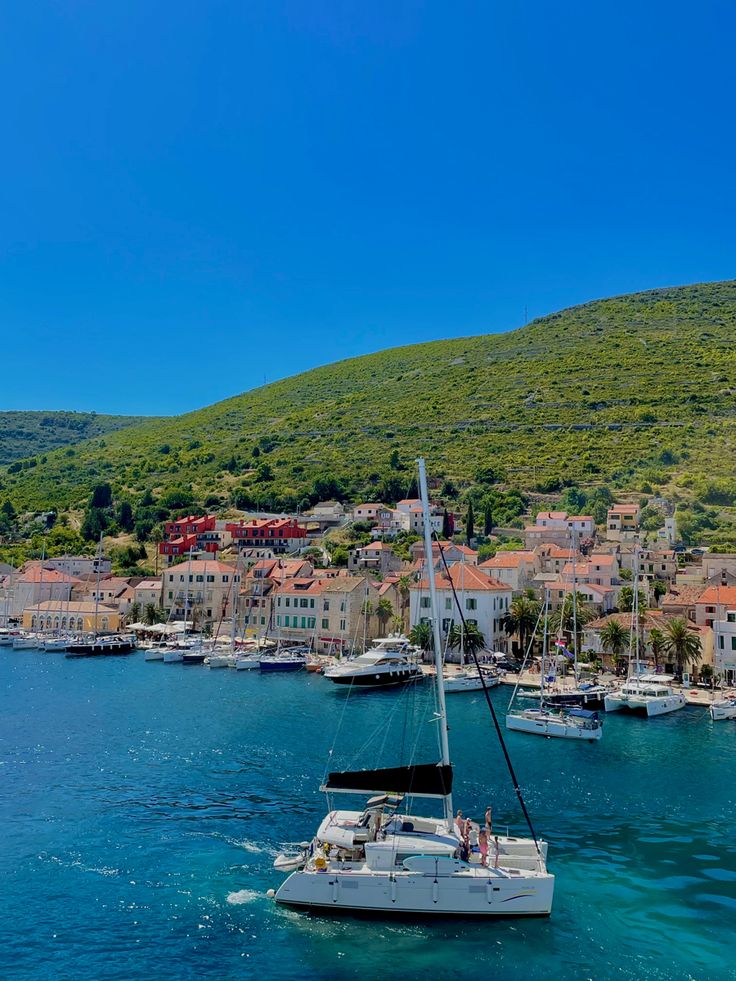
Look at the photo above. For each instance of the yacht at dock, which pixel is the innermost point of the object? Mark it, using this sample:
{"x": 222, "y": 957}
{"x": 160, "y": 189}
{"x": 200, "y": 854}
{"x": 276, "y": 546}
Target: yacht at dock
{"x": 390, "y": 661}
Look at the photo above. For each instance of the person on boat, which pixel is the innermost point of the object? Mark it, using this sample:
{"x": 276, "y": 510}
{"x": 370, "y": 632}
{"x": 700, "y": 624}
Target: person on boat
{"x": 489, "y": 820}
{"x": 496, "y": 851}
{"x": 483, "y": 846}
{"x": 460, "y": 824}
{"x": 472, "y": 834}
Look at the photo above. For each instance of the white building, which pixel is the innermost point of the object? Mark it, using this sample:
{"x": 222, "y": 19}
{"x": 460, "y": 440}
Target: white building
{"x": 724, "y": 648}
{"x": 79, "y": 565}
{"x": 484, "y": 601}
{"x": 412, "y": 507}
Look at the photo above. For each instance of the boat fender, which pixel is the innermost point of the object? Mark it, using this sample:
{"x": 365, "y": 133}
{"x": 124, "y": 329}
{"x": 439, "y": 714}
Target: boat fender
{"x": 270, "y": 893}
{"x": 320, "y": 864}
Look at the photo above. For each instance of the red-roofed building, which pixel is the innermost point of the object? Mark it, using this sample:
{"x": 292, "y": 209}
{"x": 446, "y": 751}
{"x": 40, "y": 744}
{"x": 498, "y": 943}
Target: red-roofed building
{"x": 33, "y": 585}
{"x": 558, "y": 527}
{"x": 377, "y": 557}
{"x": 193, "y": 533}
{"x": 713, "y": 604}
{"x": 204, "y": 587}
{"x": 517, "y": 569}
{"x": 622, "y": 523}
{"x": 278, "y": 534}
{"x": 484, "y": 601}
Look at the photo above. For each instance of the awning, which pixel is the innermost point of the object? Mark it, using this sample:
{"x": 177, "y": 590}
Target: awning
{"x": 421, "y": 780}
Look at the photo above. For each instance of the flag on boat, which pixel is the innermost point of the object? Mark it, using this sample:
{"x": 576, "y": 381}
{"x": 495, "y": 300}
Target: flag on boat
{"x": 562, "y": 649}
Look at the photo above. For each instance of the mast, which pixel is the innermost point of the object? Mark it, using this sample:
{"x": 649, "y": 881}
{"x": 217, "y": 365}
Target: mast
{"x": 98, "y": 562}
{"x": 544, "y": 648}
{"x": 574, "y": 609}
{"x": 186, "y": 600}
{"x": 444, "y": 742}
{"x": 40, "y": 589}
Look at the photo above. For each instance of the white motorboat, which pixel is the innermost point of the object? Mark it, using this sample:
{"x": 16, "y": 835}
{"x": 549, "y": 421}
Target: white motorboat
{"x": 649, "y": 695}
{"x": 469, "y": 681}
{"x": 383, "y": 860}
{"x": 390, "y": 661}
{"x": 175, "y": 655}
{"x": 723, "y": 708}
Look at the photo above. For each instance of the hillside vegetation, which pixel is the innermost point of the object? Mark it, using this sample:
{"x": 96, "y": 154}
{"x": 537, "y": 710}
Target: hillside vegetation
{"x": 636, "y": 392}
{"x": 26, "y": 434}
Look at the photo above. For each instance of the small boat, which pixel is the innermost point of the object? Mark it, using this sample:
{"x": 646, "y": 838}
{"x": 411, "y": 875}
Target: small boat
{"x": 586, "y": 695}
{"x": 724, "y": 708}
{"x": 25, "y": 642}
{"x": 104, "y": 645}
{"x": 563, "y": 723}
{"x": 247, "y": 662}
{"x": 315, "y": 666}
{"x": 7, "y": 636}
{"x": 390, "y": 661}
{"x": 574, "y": 723}
{"x": 283, "y": 662}
{"x": 220, "y": 660}
{"x": 175, "y": 655}
{"x": 194, "y": 657}
{"x": 470, "y": 681}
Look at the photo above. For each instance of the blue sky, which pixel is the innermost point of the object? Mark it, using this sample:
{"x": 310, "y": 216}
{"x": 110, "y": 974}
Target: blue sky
{"x": 199, "y": 196}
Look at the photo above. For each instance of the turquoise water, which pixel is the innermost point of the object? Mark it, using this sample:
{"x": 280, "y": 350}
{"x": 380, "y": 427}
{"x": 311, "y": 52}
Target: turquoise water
{"x": 142, "y": 805}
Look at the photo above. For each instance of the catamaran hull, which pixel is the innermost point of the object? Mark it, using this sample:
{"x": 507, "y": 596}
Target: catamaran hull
{"x": 416, "y": 894}
{"x": 646, "y": 706}
{"x": 553, "y": 728}
{"x": 725, "y": 710}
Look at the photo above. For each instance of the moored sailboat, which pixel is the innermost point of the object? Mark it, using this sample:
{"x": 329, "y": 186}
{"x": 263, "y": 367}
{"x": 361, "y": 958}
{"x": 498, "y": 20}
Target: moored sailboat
{"x": 385, "y": 860}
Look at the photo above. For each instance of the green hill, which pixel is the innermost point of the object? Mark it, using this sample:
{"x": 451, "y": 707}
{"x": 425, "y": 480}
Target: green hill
{"x": 23, "y": 434}
{"x": 629, "y": 391}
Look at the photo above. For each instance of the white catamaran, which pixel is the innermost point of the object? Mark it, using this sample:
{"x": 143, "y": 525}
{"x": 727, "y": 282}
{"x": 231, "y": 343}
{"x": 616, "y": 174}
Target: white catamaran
{"x": 383, "y": 859}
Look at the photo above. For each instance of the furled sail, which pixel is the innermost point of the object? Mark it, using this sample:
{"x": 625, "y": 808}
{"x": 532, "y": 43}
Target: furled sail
{"x": 421, "y": 780}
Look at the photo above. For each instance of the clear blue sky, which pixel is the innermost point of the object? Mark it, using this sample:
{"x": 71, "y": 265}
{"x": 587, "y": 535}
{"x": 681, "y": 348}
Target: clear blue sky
{"x": 196, "y": 196}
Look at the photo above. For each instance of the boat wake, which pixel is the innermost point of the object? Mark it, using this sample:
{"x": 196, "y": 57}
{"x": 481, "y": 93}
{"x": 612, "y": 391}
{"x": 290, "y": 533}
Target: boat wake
{"x": 243, "y": 896}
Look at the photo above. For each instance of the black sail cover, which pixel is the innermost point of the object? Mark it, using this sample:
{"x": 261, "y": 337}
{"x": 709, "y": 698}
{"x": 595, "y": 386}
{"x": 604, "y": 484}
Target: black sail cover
{"x": 420, "y": 780}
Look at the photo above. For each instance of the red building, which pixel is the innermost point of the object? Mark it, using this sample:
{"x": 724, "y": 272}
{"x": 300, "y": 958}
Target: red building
{"x": 279, "y": 534}
{"x": 194, "y": 533}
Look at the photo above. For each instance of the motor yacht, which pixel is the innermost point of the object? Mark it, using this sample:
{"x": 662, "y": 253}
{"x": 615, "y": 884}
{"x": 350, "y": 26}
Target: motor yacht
{"x": 390, "y": 661}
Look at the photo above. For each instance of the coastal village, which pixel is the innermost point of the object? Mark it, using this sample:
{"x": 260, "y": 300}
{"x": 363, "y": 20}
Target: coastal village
{"x": 272, "y": 577}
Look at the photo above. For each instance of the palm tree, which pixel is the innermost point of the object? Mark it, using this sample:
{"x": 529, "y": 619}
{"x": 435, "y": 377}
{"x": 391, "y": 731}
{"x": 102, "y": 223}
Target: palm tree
{"x": 681, "y": 644}
{"x": 134, "y": 613}
{"x": 468, "y": 638}
{"x": 657, "y": 641}
{"x": 404, "y": 584}
{"x": 151, "y": 613}
{"x": 521, "y": 619}
{"x": 562, "y": 618}
{"x": 384, "y": 611}
{"x": 421, "y": 636}
{"x": 614, "y": 638}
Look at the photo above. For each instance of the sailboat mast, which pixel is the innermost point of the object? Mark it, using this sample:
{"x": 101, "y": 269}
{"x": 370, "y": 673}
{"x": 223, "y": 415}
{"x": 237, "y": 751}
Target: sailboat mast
{"x": 98, "y": 563}
{"x": 574, "y": 608}
{"x": 545, "y": 641}
{"x": 427, "y": 522}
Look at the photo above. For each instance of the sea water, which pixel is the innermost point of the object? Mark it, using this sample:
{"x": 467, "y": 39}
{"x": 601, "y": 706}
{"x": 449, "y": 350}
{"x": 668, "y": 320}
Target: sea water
{"x": 142, "y": 806}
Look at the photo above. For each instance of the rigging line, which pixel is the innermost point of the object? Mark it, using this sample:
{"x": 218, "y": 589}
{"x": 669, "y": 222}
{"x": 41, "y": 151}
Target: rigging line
{"x": 527, "y": 655}
{"x": 486, "y": 692}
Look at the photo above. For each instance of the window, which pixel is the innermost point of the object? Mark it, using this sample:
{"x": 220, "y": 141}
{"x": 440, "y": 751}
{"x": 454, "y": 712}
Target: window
{"x": 720, "y": 642}
{"x": 199, "y": 579}
{"x": 733, "y": 643}
{"x": 287, "y": 601}
{"x": 325, "y": 605}
{"x": 424, "y": 603}
{"x": 304, "y": 622}
{"x": 263, "y": 621}
{"x": 278, "y": 621}
{"x": 224, "y": 579}
{"x": 287, "y": 621}
{"x": 325, "y": 623}
{"x": 304, "y": 603}
{"x": 171, "y": 595}
{"x": 448, "y": 603}
{"x": 471, "y": 603}
{"x": 731, "y": 617}
{"x": 446, "y": 624}
{"x": 311, "y": 603}
{"x": 343, "y": 625}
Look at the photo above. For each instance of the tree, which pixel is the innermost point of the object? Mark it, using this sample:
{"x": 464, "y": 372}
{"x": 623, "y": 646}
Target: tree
{"x": 488, "y": 519}
{"x": 659, "y": 588}
{"x": 521, "y": 619}
{"x": 446, "y": 525}
{"x": 412, "y": 490}
{"x": 626, "y": 599}
{"x": 469, "y": 523}
{"x": 134, "y": 613}
{"x": 614, "y": 638}
{"x": 403, "y": 585}
{"x": 394, "y": 461}
{"x": 682, "y": 645}
{"x": 468, "y": 639}
{"x": 421, "y": 636}
{"x": 384, "y": 611}
{"x": 93, "y": 524}
{"x": 658, "y": 642}
{"x": 8, "y": 510}
{"x": 151, "y": 614}
{"x": 562, "y": 617}
{"x": 264, "y": 473}
{"x": 101, "y": 496}
{"x": 125, "y": 516}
